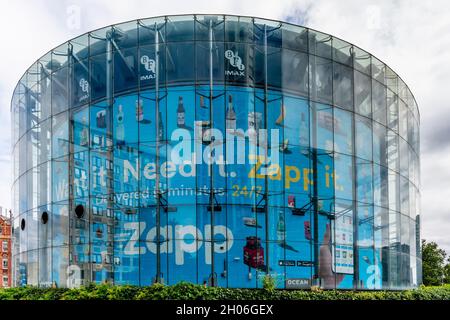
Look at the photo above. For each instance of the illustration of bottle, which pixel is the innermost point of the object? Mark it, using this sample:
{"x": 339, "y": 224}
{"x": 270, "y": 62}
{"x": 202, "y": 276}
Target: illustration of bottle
{"x": 291, "y": 202}
{"x": 304, "y": 132}
{"x": 84, "y": 135}
{"x": 101, "y": 119}
{"x": 231, "y": 115}
{"x": 120, "y": 129}
{"x": 280, "y": 119}
{"x": 281, "y": 227}
{"x": 161, "y": 127}
{"x": 254, "y": 124}
{"x": 284, "y": 147}
{"x": 202, "y": 102}
{"x": 181, "y": 113}
{"x": 139, "y": 111}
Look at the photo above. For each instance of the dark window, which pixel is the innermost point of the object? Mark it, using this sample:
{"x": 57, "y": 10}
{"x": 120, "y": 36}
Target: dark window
{"x": 44, "y": 217}
{"x": 79, "y": 211}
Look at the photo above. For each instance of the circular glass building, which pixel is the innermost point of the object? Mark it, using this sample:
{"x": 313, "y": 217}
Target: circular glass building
{"x": 216, "y": 150}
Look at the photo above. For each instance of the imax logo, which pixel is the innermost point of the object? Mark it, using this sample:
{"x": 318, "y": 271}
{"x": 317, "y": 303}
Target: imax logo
{"x": 234, "y": 73}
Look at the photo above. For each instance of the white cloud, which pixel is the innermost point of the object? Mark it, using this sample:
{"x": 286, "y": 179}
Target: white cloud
{"x": 412, "y": 37}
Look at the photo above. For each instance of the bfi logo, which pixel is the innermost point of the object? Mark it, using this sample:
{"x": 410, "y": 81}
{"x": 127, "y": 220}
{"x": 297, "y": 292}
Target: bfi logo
{"x": 84, "y": 85}
{"x": 236, "y": 62}
{"x": 150, "y": 66}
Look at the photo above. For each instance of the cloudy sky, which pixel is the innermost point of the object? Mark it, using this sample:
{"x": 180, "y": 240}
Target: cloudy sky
{"x": 412, "y": 37}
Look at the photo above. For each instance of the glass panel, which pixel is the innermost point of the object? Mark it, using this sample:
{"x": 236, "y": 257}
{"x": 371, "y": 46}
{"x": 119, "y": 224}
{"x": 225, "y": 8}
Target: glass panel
{"x": 324, "y": 126}
{"x": 276, "y": 59}
{"x": 404, "y": 158}
{"x": 294, "y": 71}
{"x": 319, "y": 44}
{"x": 404, "y": 196}
{"x": 80, "y": 47}
{"x": 343, "y": 86}
{"x": 321, "y": 82}
{"x": 179, "y": 66}
{"x": 379, "y": 144}
{"x": 394, "y": 185}
{"x": 81, "y": 87}
{"x": 44, "y": 184}
{"x": 379, "y": 102}
{"x": 60, "y": 56}
{"x": 238, "y": 29}
{"x": 380, "y": 186}
{"x": 202, "y": 24}
{"x": 363, "y": 134}
{"x": 363, "y": 96}
{"x": 126, "y": 69}
{"x": 180, "y": 28}
{"x": 60, "y": 94}
{"x": 60, "y": 224}
{"x": 45, "y": 263}
{"x": 148, "y": 28}
{"x": 125, "y": 34}
{"x": 60, "y": 135}
{"x": 343, "y": 176}
{"x": 342, "y": 52}
{"x": 378, "y": 70}
{"x": 364, "y": 189}
{"x": 64, "y": 275}
{"x": 391, "y": 80}
{"x": 99, "y": 81}
{"x": 295, "y": 37}
{"x": 203, "y": 65}
{"x": 392, "y": 111}
{"x": 362, "y": 60}
{"x": 365, "y": 243}
{"x": 272, "y": 29}
{"x": 392, "y": 150}
{"x": 60, "y": 176}
{"x": 98, "y": 41}
{"x": 343, "y": 131}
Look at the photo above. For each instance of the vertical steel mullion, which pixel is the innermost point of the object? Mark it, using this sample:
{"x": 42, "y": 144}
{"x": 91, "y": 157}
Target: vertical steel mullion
{"x": 226, "y": 179}
{"x": 309, "y": 81}
{"x": 354, "y": 193}
{"x": 332, "y": 243}
{"x": 211, "y": 177}
{"x": 138, "y": 53}
{"x": 110, "y": 151}
{"x": 71, "y": 154}
{"x": 266, "y": 205}
{"x": 195, "y": 117}
{"x": 71, "y": 201}
{"x": 313, "y": 132}
{"x": 157, "y": 179}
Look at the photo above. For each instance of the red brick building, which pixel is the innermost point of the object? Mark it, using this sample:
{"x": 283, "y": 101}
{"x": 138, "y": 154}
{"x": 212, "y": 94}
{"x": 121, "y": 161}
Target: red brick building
{"x": 5, "y": 250}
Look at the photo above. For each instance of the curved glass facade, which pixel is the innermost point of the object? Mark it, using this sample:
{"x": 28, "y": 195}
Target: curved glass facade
{"x": 215, "y": 149}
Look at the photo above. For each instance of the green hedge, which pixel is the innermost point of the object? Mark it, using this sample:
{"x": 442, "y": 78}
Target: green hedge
{"x": 188, "y": 291}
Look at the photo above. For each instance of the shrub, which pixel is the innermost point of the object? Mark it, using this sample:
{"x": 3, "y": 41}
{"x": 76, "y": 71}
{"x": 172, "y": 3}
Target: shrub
{"x": 269, "y": 283}
{"x": 189, "y": 291}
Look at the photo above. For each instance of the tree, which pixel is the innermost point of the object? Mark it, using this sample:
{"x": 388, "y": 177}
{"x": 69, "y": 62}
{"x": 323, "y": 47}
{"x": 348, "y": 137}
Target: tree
{"x": 447, "y": 272}
{"x": 433, "y": 264}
